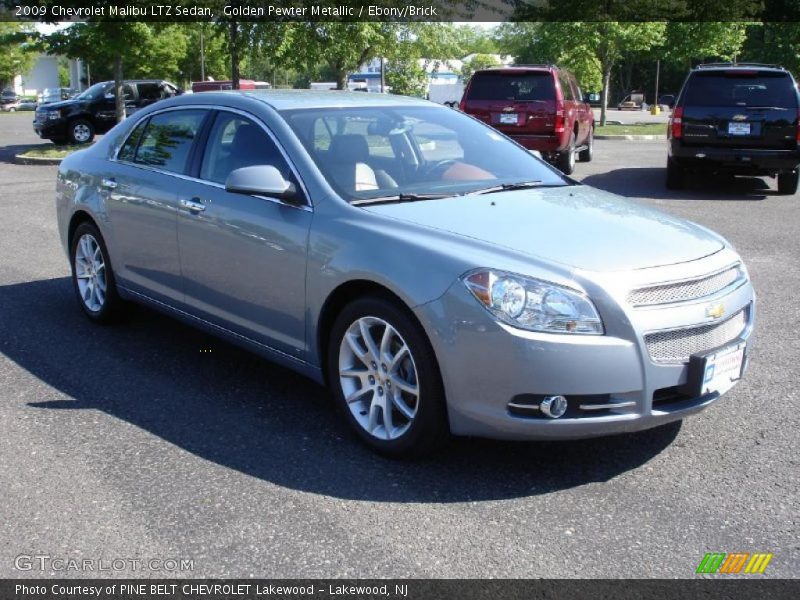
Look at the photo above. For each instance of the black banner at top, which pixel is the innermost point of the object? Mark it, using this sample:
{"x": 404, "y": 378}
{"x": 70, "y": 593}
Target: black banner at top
{"x": 401, "y": 10}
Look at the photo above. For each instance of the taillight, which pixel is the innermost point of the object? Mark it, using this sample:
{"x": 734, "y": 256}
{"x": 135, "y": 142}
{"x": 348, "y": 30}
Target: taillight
{"x": 797, "y": 135}
{"x": 559, "y": 116}
{"x": 677, "y": 122}
{"x": 462, "y": 105}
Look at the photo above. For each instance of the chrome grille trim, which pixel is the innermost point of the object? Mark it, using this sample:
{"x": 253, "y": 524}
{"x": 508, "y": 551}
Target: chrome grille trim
{"x": 677, "y": 345}
{"x": 689, "y": 289}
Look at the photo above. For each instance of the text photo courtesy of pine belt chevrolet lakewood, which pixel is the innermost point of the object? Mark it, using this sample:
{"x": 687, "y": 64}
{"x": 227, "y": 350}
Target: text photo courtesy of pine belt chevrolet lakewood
{"x": 436, "y": 275}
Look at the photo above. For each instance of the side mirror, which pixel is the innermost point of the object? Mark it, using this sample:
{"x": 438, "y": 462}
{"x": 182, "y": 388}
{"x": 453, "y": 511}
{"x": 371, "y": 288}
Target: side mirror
{"x": 261, "y": 180}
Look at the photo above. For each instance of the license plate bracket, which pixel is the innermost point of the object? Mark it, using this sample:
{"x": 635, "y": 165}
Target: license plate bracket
{"x": 735, "y": 128}
{"x": 508, "y": 118}
{"x": 717, "y": 370}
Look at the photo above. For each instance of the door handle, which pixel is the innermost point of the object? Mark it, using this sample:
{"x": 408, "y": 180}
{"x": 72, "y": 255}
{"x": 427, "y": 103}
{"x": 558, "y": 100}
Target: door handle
{"x": 193, "y": 206}
{"x": 109, "y": 184}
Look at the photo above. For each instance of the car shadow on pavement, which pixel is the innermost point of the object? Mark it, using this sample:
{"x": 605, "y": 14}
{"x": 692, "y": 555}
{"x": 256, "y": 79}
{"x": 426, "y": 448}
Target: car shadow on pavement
{"x": 7, "y": 153}
{"x": 649, "y": 182}
{"x": 225, "y": 405}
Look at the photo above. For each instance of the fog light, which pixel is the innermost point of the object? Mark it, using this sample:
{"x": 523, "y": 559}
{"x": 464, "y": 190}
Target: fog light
{"x": 554, "y": 406}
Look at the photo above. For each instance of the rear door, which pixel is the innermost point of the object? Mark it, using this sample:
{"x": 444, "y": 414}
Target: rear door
{"x": 516, "y": 102}
{"x": 745, "y": 108}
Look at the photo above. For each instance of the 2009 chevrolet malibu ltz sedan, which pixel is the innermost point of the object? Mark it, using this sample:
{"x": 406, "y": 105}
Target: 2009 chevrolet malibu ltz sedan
{"x": 437, "y": 276}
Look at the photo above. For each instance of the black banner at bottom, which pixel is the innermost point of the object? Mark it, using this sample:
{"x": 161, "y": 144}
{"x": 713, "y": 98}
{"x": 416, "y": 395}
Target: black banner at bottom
{"x": 395, "y": 589}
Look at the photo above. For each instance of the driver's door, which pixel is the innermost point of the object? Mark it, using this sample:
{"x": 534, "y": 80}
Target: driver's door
{"x": 243, "y": 258}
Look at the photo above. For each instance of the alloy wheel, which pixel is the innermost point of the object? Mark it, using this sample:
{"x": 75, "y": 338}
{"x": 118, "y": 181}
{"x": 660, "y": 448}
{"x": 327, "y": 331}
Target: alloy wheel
{"x": 379, "y": 378}
{"x": 90, "y": 273}
{"x": 81, "y": 133}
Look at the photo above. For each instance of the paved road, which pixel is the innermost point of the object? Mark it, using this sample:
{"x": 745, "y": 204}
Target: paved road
{"x": 631, "y": 116}
{"x": 131, "y": 443}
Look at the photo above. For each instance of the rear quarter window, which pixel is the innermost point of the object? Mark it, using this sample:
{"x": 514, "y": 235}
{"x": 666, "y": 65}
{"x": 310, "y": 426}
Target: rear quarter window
{"x": 519, "y": 87}
{"x": 734, "y": 89}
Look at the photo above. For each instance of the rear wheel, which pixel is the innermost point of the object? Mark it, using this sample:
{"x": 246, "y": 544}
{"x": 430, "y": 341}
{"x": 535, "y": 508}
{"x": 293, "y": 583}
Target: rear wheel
{"x": 566, "y": 159}
{"x": 384, "y": 376}
{"x": 787, "y": 182}
{"x": 92, "y": 276}
{"x": 676, "y": 177}
{"x": 587, "y": 153}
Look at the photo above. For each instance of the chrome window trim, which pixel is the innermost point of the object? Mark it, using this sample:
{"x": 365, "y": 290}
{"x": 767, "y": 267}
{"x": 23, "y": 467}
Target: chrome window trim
{"x": 307, "y": 206}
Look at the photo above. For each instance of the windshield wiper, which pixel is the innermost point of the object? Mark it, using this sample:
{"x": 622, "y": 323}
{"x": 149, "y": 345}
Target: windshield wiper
{"x": 507, "y": 187}
{"x": 400, "y": 198}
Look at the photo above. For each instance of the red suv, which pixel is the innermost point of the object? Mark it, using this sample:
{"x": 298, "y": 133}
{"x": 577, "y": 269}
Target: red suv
{"x": 541, "y": 107}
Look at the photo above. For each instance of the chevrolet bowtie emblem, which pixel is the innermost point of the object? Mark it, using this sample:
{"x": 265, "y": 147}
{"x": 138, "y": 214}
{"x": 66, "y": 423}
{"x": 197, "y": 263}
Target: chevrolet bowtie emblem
{"x": 508, "y": 109}
{"x": 740, "y": 117}
{"x": 715, "y": 311}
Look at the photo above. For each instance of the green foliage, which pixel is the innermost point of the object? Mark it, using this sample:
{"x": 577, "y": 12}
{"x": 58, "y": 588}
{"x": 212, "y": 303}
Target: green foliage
{"x": 407, "y": 78}
{"x": 479, "y": 61}
{"x": 17, "y": 52}
{"x": 689, "y": 42}
{"x": 775, "y": 43}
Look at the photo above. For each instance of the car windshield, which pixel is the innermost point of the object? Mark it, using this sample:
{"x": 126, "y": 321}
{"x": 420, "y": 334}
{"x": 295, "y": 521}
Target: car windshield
{"x": 93, "y": 92}
{"x": 741, "y": 88}
{"x": 413, "y": 152}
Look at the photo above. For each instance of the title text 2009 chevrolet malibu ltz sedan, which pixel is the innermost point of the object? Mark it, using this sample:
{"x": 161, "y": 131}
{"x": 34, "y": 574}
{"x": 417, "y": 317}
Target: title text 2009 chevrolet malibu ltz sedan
{"x": 435, "y": 274}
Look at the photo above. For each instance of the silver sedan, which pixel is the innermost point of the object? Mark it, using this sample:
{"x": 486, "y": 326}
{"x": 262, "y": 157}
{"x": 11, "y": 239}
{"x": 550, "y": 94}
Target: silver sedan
{"x": 438, "y": 277}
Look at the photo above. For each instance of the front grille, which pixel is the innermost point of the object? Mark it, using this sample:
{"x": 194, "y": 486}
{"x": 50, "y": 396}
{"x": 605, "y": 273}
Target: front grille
{"x": 677, "y": 345}
{"x": 681, "y": 291}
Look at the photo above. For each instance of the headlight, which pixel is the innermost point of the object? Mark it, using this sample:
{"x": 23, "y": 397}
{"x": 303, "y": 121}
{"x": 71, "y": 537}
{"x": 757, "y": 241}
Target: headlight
{"x": 532, "y": 304}
{"x": 53, "y": 114}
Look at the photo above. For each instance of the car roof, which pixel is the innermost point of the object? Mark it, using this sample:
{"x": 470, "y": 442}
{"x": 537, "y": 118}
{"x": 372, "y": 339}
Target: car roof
{"x": 738, "y": 67}
{"x": 297, "y": 99}
{"x": 518, "y": 68}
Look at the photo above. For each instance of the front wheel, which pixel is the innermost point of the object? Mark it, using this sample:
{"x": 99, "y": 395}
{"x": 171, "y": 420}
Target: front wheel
{"x": 92, "y": 276}
{"x": 787, "y": 182}
{"x": 81, "y": 131}
{"x": 385, "y": 378}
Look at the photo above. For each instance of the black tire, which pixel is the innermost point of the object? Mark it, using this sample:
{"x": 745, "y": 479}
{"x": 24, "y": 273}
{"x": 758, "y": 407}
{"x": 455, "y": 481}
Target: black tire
{"x": 80, "y": 131}
{"x": 587, "y": 154}
{"x": 59, "y": 141}
{"x": 676, "y": 177}
{"x": 787, "y": 182}
{"x": 565, "y": 162}
{"x": 429, "y": 427}
{"x": 112, "y": 306}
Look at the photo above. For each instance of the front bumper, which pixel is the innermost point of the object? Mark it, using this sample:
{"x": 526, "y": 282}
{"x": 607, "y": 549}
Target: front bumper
{"x": 487, "y": 366}
{"x": 736, "y": 160}
{"x": 51, "y": 129}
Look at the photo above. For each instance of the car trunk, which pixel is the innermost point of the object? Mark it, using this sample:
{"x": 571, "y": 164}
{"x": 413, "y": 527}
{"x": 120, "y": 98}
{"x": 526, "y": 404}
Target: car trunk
{"x": 740, "y": 108}
{"x": 516, "y": 103}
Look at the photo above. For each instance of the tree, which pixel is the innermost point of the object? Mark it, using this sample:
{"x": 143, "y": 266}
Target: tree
{"x": 687, "y": 42}
{"x": 588, "y": 48}
{"x": 136, "y": 48}
{"x": 776, "y": 43}
{"x": 479, "y": 61}
{"x": 17, "y": 54}
{"x": 407, "y": 77}
{"x": 342, "y": 46}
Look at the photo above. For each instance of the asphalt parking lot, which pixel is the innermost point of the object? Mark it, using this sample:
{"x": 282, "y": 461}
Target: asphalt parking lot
{"x": 150, "y": 440}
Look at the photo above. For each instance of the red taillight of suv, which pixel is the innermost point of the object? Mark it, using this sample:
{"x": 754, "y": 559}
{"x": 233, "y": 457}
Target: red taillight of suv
{"x": 797, "y": 134}
{"x": 559, "y": 116}
{"x": 677, "y": 122}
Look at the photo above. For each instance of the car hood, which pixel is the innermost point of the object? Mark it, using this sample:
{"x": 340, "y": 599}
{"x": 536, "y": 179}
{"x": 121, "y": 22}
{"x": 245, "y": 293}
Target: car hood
{"x": 578, "y": 226}
{"x": 61, "y": 104}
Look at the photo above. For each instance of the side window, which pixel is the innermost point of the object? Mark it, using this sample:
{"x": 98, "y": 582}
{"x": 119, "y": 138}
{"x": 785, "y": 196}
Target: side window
{"x": 168, "y": 138}
{"x": 576, "y": 89}
{"x": 128, "y": 149}
{"x": 149, "y": 92}
{"x": 566, "y": 88}
{"x": 236, "y": 142}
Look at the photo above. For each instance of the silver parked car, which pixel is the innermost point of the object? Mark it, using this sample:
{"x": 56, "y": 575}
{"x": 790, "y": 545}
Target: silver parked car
{"x": 437, "y": 276}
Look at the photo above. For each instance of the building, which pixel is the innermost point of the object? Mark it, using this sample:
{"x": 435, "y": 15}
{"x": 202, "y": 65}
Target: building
{"x": 44, "y": 74}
